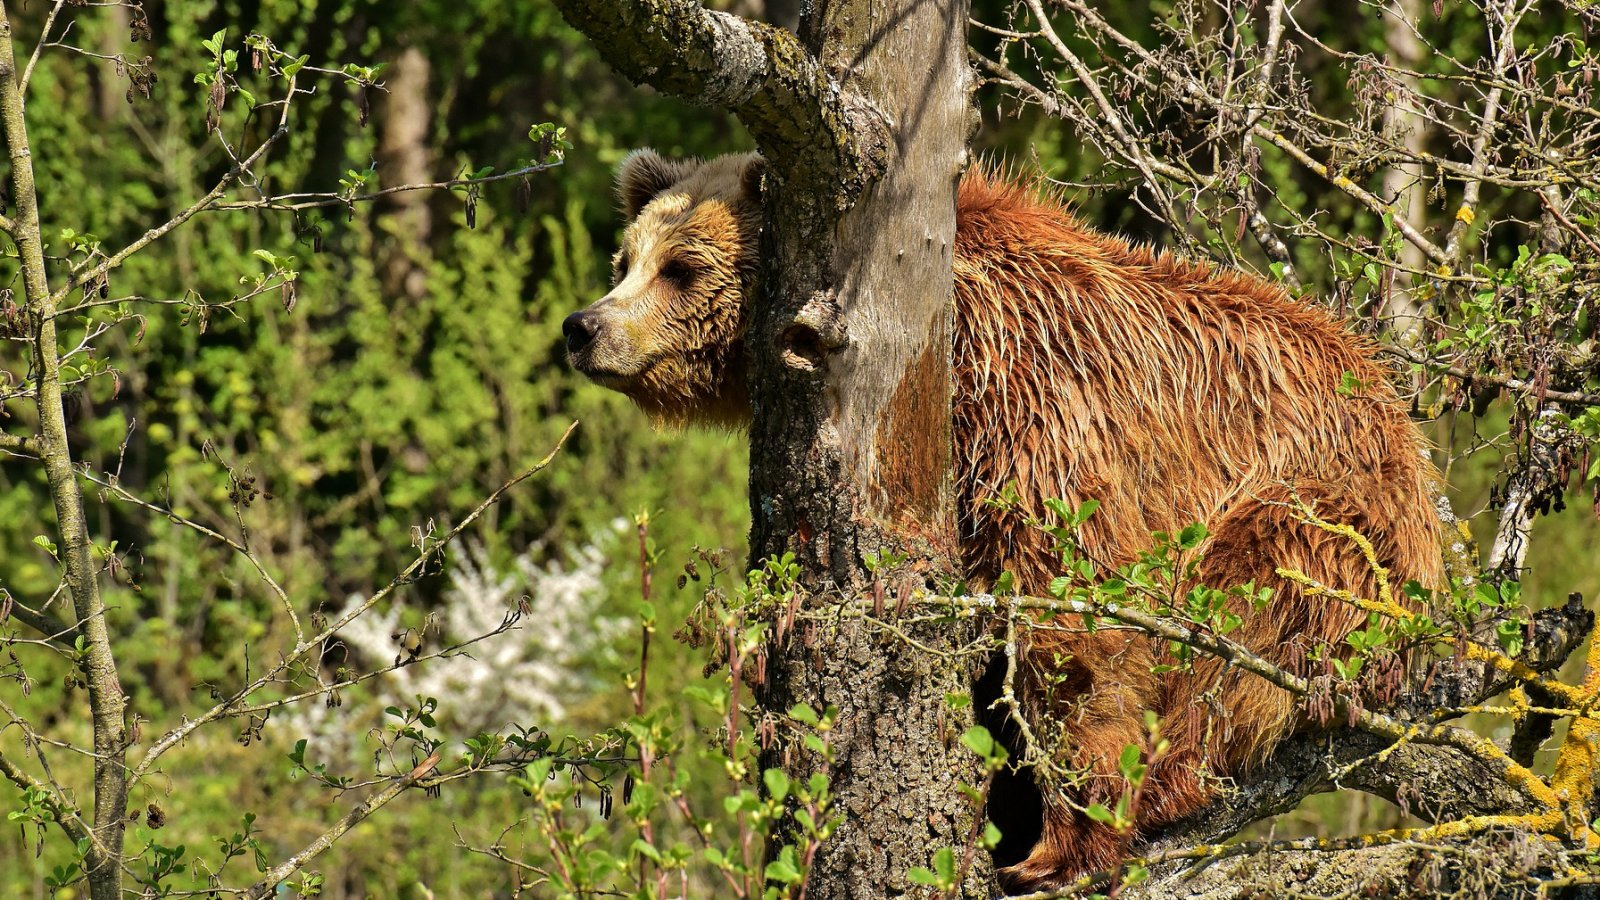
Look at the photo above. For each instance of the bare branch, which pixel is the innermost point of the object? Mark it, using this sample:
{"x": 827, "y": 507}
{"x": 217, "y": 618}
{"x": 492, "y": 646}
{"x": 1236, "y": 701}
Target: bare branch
{"x": 1130, "y": 148}
{"x": 47, "y": 625}
{"x": 1487, "y": 121}
{"x": 291, "y": 202}
{"x": 1194, "y": 91}
{"x": 17, "y": 443}
{"x": 267, "y": 886}
{"x": 798, "y": 116}
{"x": 1519, "y": 385}
{"x": 1532, "y": 481}
{"x": 239, "y": 169}
{"x": 300, "y": 650}
{"x": 44, "y": 38}
{"x": 117, "y": 490}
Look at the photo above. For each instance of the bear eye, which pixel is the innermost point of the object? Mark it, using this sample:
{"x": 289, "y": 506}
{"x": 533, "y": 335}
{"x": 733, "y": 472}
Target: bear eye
{"x": 678, "y": 271}
{"x": 622, "y": 267}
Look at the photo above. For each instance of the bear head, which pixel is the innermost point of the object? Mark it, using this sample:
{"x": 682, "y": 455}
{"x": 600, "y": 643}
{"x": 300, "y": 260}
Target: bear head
{"x": 670, "y": 333}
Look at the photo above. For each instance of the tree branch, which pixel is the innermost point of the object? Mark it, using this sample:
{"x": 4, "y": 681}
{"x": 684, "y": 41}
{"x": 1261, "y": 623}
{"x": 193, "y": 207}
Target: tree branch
{"x": 110, "y": 485}
{"x": 1436, "y": 781}
{"x": 267, "y": 886}
{"x": 38, "y": 49}
{"x": 427, "y": 551}
{"x": 1518, "y": 385}
{"x": 1450, "y": 783}
{"x": 1507, "y": 865}
{"x": 1532, "y": 483}
{"x": 17, "y": 443}
{"x": 239, "y": 169}
{"x": 1481, "y": 142}
{"x": 320, "y": 199}
{"x": 798, "y": 115}
{"x": 47, "y": 625}
{"x": 1193, "y": 91}
{"x": 62, "y": 810}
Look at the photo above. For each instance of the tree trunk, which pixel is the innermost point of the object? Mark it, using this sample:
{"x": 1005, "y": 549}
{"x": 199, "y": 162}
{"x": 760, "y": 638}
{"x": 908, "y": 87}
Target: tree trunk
{"x": 1403, "y": 183}
{"x": 850, "y": 447}
{"x": 863, "y": 121}
{"x": 404, "y": 158}
{"x": 103, "y": 855}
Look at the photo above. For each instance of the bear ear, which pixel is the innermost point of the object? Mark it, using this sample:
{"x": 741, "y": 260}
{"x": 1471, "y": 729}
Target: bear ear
{"x": 642, "y": 175}
{"x": 750, "y": 178}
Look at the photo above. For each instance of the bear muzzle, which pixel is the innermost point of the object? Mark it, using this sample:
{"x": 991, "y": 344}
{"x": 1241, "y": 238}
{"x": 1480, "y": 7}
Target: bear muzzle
{"x": 580, "y": 330}
{"x": 605, "y": 350}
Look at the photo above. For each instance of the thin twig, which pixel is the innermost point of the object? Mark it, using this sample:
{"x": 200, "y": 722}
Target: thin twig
{"x": 125, "y": 495}
{"x": 44, "y": 36}
{"x": 177, "y": 735}
{"x": 267, "y": 886}
{"x": 320, "y": 199}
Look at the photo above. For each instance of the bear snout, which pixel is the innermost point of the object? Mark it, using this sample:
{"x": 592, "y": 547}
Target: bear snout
{"x": 580, "y": 329}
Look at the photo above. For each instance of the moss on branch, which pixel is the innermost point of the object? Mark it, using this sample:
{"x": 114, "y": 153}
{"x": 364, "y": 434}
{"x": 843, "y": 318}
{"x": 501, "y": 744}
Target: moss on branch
{"x": 805, "y": 123}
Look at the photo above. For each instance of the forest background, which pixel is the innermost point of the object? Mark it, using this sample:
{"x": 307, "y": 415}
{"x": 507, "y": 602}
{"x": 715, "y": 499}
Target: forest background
{"x": 417, "y": 368}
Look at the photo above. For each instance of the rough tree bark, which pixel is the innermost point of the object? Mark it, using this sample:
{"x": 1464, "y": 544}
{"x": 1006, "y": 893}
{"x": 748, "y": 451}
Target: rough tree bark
{"x": 863, "y": 118}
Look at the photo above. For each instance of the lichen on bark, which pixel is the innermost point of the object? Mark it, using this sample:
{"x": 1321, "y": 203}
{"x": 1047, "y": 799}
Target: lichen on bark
{"x": 863, "y": 119}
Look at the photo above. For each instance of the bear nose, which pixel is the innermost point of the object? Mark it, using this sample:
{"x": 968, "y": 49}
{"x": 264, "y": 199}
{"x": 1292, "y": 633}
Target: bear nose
{"x": 580, "y": 329}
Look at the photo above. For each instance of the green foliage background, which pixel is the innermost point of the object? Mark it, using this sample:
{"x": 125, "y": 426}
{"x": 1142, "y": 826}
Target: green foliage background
{"x": 361, "y": 414}
{"x": 364, "y": 413}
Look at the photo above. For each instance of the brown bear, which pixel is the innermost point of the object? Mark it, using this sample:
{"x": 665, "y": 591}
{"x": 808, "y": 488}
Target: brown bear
{"x": 1170, "y": 391}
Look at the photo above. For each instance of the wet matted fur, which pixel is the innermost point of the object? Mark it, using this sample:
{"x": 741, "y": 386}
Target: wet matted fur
{"x": 1085, "y": 368}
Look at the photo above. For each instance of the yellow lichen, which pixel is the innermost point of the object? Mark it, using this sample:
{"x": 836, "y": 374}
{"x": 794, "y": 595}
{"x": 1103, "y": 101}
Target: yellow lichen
{"x": 1567, "y": 794}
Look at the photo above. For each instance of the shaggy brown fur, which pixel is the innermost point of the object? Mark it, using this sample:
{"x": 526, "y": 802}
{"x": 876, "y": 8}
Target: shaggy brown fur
{"x": 673, "y": 325}
{"x": 1172, "y": 393}
{"x": 1085, "y": 368}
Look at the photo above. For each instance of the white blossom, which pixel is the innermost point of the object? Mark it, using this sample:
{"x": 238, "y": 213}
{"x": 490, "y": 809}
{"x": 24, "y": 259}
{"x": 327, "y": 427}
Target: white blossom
{"x": 528, "y": 675}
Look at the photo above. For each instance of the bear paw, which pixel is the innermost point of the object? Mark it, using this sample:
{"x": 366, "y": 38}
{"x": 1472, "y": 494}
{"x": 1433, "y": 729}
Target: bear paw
{"x": 1032, "y": 874}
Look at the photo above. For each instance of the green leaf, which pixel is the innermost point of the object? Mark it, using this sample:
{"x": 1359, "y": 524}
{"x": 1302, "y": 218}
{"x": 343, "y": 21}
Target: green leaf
{"x": 783, "y": 869}
{"x": 1486, "y": 594}
{"x": 979, "y": 741}
{"x": 1129, "y": 759}
{"x": 646, "y": 849}
{"x": 1509, "y": 635}
{"x": 817, "y": 784}
{"x": 777, "y": 783}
